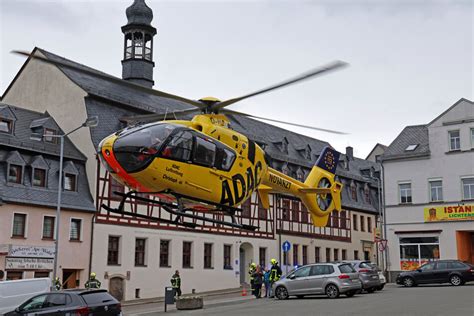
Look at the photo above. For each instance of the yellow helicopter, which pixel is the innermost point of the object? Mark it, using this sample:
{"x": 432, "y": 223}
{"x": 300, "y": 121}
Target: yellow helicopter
{"x": 203, "y": 164}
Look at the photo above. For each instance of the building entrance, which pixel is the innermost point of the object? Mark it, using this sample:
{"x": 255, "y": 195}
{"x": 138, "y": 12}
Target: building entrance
{"x": 245, "y": 258}
{"x": 465, "y": 246}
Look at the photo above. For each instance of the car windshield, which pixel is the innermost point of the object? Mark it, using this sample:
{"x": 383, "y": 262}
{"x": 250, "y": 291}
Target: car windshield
{"x": 346, "y": 268}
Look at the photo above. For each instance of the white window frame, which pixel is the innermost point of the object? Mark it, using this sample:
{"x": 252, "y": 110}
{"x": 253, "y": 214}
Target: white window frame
{"x": 400, "y": 192}
{"x": 462, "y": 188}
{"x": 429, "y": 190}
{"x": 81, "y": 236}
{"x": 26, "y": 225}
{"x": 471, "y": 131}
{"x": 449, "y": 139}
{"x": 119, "y": 257}
{"x": 54, "y": 228}
{"x": 419, "y": 245}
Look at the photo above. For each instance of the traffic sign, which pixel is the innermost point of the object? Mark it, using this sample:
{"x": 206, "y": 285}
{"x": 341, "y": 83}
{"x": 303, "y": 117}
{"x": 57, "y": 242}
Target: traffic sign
{"x": 286, "y": 246}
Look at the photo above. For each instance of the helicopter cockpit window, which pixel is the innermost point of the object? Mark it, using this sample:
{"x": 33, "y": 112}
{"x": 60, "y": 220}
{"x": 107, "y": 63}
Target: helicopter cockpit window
{"x": 204, "y": 152}
{"x": 179, "y": 147}
{"x": 224, "y": 158}
{"x": 135, "y": 149}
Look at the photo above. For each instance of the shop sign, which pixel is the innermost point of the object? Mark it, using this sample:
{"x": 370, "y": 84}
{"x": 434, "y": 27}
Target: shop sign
{"x": 29, "y": 263}
{"x": 449, "y": 213}
{"x": 32, "y": 251}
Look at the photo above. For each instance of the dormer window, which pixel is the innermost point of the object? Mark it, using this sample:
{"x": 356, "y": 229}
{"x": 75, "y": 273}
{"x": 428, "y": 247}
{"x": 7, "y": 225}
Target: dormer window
{"x": 70, "y": 182}
{"x": 411, "y": 147}
{"x": 39, "y": 177}
{"x": 48, "y": 135}
{"x": 6, "y": 126}
{"x": 307, "y": 152}
{"x": 15, "y": 174}
{"x": 367, "y": 193}
{"x": 353, "y": 191}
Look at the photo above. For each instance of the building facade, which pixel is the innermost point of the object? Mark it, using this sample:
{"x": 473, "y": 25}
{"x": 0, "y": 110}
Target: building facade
{"x": 136, "y": 257}
{"x": 429, "y": 190}
{"x": 29, "y": 164}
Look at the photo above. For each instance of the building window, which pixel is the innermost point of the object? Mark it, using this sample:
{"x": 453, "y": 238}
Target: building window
{"x": 354, "y": 221}
{"x": 405, "y": 192}
{"x": 369, "y": 224}
{"x": 472, "y": 137}
{"x": 75, "y": 231}
{"x": 285, "y": 210}
{"x": 454, "y": 140}
{"x": 354, "y": 191}
{"x": 14, "y": 275}
{"x": 49, "y": 135}
{"x": 164, "y": 253}
{"x": 48, "y": 227}
{"x": 39, "y": 177}
{"x": 6, "y": 126}
{"x": 262, "y": 256}
{"x": 468, "y": 189}
{"x": 342, "y": 215}
{"x": 69, "y": 182}
{"x": 328, "y": 254}
{"x": 362, "y": 223}
{"x": 228, "y": 258}
{"x": 295, "y": 210}
{"x": 187, "y": 253}
{"x": 416, "y": 251}
{"x": 295, "y": 254}
{"x": 344, "y": 254}
{"x": 336, "y": 254}
{"x": 262, "y": 212}
{"x": 436, "y": 190}
{"x": 367, "y": 194}
{"x": 113, "y": 250}
{"x": 15, "y": 174}
{"x": 246, "y": 206}
{"x": 140, "y": 244}
{"x": 207, "y": 256}
{"x": 356, "y": 254}
{"x": 305, "y": 255}
{"x": 317, "y": 254}
{"x": 304, "y": 214}
{"x": 19, "y": 225}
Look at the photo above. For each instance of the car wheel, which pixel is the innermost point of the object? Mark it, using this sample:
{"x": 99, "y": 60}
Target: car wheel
{"x": 281, "y": 293}
{"x": 371, "y": 290}
{"x": 455, "y": 280}
{"x": 332, "y": 291}
{"x": 300, "y": 296}
{"x": 380, "y": 288}
{"x": 350, "y": 293}
{"x": 408, "y": 282}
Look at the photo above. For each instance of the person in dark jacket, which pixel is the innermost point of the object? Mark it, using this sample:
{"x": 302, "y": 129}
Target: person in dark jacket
{"x": 176, "y": 283}
{"x": 257, "y": 282}
{"x": 92, "y": 283}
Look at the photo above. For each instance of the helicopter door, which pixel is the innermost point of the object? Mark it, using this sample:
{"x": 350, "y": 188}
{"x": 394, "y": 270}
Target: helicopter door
{"x": 179, "y": 147}
{"x": 204, "y": 152}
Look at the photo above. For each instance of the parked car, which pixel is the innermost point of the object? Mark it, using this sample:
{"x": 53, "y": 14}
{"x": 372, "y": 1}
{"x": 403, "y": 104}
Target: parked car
{"x": 15, "y": 292}
{"x": 382, "y": 278}
{"x": 368, "y": 275}
{"x": 70, "y": 302}
{"x": 331, "y": 279}
{"x": 442, "y": 271}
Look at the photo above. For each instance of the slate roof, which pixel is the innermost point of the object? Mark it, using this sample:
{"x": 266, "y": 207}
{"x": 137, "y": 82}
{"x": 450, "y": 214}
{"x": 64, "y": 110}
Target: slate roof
{"x": 18, "y": 148}
{"x": 411, "y": 135}
{"x": 111, "y": 101}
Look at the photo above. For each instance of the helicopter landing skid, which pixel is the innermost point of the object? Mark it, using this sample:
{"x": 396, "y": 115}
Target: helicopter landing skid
{"x": 177, "y": 209}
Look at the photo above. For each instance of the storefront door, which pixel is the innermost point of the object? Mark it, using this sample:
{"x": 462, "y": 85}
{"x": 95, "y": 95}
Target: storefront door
{"x": 70, "y": 279}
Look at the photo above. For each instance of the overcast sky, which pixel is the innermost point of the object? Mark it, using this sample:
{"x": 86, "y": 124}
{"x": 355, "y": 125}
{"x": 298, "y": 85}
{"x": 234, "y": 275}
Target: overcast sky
{"x": 409, "y": 60}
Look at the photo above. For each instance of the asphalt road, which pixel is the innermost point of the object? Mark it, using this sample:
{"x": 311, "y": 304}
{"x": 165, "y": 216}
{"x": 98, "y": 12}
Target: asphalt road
{"x": 393, "y": 300}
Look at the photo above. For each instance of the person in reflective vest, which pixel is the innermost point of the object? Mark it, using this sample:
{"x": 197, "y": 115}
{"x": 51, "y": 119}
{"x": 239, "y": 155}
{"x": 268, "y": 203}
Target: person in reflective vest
{"x": 176, "y": 283}
{"x": 57, "y": 284}
{"x": 93, "y": 283}
{"x": 252, "y": 268}
{"x": 275, "y": 274}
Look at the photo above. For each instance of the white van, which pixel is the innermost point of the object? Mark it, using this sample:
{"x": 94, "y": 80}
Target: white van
{"x": 14, "y": 293}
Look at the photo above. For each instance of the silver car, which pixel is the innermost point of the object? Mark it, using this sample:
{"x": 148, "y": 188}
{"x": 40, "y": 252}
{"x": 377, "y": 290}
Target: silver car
{"x": 368, "y": 275}
{"x": 331, "y": 279}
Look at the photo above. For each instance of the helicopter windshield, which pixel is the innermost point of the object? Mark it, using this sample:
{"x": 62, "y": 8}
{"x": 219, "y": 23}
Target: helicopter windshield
{"x": 137, "y": 148}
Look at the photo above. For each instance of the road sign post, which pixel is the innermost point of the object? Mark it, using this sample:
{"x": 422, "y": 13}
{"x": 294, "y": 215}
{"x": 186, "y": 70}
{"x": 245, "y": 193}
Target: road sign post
{"x": 286, "y": 246}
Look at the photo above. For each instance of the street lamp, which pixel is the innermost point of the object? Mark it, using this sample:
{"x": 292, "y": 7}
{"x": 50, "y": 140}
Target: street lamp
{"x": 90, "y": 122}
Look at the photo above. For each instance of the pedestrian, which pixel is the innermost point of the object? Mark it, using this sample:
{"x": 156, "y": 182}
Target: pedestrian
{"x": 176, "y": 283}
{"x": 57, "y": 284}
{"x": 251, "y": 272}
{"x": 92, "y": 283}
{"x": 266, "y": 281}
{"x": 275, "y": 274}
{"x": 257, "y": 282}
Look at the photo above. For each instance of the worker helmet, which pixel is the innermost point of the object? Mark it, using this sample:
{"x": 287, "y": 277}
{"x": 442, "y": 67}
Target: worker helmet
{"x": 253, "y": 265}
{"x": 93, "y": 274}
{"x": 273, "y": 261}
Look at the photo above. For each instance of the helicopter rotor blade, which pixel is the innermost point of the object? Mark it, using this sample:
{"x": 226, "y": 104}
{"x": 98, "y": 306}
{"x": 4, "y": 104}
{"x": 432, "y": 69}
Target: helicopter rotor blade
{"x": 157, "y": 116}
{"x": 305, "y": 76}
{"x": 227, "y": 111}
{"x": 110, "y": 78}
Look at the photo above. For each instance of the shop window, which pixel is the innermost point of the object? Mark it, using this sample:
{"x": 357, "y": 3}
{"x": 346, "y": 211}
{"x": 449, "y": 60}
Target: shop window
{"x": 113, "y": 250}
{"x": 468, "y": 188}
{"x": 48, "y": 227}
{"x": 228, "y": 257}
{"x": 164, "y": 253}
{"x": 19, "y": 225}
{"x": 75, "y": 229}
{"x": 262, "y": 256}
{"x": 15, "y": 174}
{"x": 317, "y": 254}
{"x": 187, "y": 253}
{"x": 140, "y": 248}
{"x": 416, "y": 251}
{"x": 405, "y": 193}
{"x": 39, "y": 177}
{"x": 454, "y": 140}
{"x": 436, "y": 190}
{"x": 14, "y": 275}
{"x": 208, "y": 256}
{"x": 41, "y": 274}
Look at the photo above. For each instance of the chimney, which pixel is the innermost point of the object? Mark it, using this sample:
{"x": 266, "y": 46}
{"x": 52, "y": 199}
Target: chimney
{"x": 350, "y": 152}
